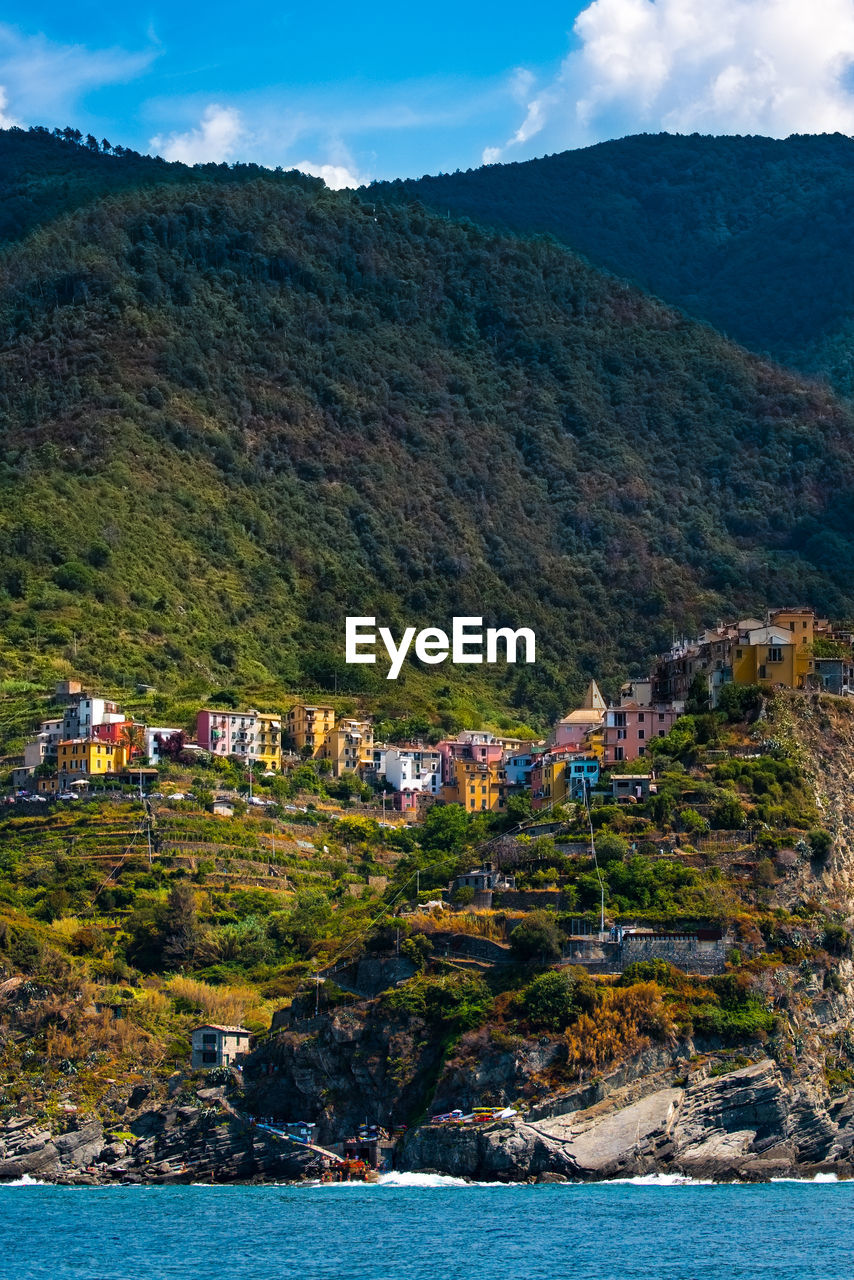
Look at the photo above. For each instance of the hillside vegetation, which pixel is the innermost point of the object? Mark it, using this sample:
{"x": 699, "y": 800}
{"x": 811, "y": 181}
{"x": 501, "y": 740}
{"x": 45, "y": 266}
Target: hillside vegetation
{"x": 750, "y": 234}
{"x": 108, "y": 960}
{"x": 235, "y": 412}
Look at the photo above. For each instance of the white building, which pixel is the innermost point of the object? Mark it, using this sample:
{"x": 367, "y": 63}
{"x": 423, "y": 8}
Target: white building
{"x": 217, "y": 1046}
{"x": 152, "y": 749}
{"x": 414, "y": 769}
{"x": 85, "y": 713}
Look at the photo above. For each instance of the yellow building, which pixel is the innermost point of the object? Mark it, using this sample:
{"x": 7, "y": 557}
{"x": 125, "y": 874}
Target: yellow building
{"x": 801, "y": 622}
{"x": 349, "y": 746}
{"x": 478, "y": 787}
{"x": 308, "y": 725}
{"x": 268, "y": 740}
{"x": 554, "y": 781}
{"x": 83, "y": 758}
{"x": 774, "y": 655}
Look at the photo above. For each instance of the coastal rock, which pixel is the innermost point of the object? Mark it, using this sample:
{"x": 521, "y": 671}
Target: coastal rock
{"x": 28, "y": 1150}
{"x": 748, "y": 1123}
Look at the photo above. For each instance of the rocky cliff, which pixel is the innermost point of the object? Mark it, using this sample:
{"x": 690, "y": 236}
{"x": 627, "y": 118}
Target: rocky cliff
{"x": 197, "y": 1141}
{"x": 747, "y": 1124}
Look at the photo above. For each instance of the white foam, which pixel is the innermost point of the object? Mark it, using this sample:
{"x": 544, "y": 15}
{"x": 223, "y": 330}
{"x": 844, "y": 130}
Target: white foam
{"x": 421, "y": 1180}
{"x": 818, "y": 1177}
{"x": 26, "y": 1181}
{"x": 659, "y": 1180}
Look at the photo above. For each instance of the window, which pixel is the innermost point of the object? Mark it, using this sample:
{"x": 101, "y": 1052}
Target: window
{"x": 618, "y": 753}
{"x": 209, "y": 1055}
{"x": 619, "y": 719}
{"x": 641, "y": 718}
{"x": 661, "y": 717}
{"x": 641, "y": 750}
{"x": 641, "y": 733}
{"x": 738, "y": 653}
{"x": 209, "y": 1038}
{"x": 661, "y": 733}
{"x": 621, "y": 733}
{"x": 775, "y": 654}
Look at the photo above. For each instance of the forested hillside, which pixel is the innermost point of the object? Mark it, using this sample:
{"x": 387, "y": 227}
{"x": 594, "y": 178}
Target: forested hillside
{"x": 751, "y": 234}
{"x": 235, "y": 411}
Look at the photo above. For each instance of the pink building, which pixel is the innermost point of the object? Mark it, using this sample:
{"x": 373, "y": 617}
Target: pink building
{"x": 629, "y": 729}
{"x": 571, "y": 732}
{"x": 451, "y": 749}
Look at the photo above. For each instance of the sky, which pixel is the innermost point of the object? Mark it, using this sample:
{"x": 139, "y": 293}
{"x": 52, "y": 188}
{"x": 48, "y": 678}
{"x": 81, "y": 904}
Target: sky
{"x": 354, "y": 92}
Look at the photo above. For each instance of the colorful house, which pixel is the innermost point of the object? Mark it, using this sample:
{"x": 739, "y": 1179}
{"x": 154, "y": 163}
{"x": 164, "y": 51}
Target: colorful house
{"x": 87, "y": 757}
{"x": 307, "y": 727}
{"x": 629, "y": 728}
{"x": 349, "y": 746}
{"x": 268, "y": 740}
{"x": 574, "y": 729}
{"x": 478, "y": 787}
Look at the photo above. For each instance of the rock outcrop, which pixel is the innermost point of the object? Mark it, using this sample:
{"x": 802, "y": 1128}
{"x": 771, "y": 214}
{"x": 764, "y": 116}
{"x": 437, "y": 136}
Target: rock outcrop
{"x": 28, "y": 1149}
{"x": 173, "y": 1143}
{"x": 747, "y": 1124}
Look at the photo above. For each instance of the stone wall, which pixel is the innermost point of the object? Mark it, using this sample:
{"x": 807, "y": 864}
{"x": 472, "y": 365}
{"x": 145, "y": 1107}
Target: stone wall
{"x": 473, "y": 948}
{"x": 685, "y": 953}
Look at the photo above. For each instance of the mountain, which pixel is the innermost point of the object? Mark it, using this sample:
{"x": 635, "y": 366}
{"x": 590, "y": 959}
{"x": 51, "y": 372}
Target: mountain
{"x": 236, "y": 409}
{"x": 753, "y": 235}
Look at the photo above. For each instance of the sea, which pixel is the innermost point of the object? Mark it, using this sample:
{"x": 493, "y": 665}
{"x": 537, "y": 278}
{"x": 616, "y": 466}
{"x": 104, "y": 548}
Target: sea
{"x": 427, "y": 1227}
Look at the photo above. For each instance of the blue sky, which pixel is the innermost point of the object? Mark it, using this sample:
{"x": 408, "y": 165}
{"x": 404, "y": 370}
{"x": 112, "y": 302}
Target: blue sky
{"x": 354, "y": 92}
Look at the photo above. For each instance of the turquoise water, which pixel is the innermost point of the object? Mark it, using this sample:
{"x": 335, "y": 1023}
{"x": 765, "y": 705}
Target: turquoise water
{"x": 434, "y": 1230}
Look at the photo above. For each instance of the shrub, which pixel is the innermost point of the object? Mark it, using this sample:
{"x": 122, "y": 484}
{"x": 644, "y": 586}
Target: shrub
{"x": 553, "y": 999}
{"x": 820, "y": 842}
{"x": 536, "y": 937}
{"x": 837, "y": 940}
{"x": 610, "y": 848}
{"x": 459, "y": 1001}
{"x": 694, "y": 822}
{"x": 463, "y": 896}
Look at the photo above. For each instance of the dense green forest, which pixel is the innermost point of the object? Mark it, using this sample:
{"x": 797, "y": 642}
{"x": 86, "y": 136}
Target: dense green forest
{"x": 752, "y": 234}
{"x": 237, "y": 407}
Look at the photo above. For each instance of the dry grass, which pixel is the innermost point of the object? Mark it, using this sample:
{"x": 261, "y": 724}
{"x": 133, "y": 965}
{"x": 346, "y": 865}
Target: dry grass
{"x": 621, "y": 1026}
{"x": 227, "y": 1005}
{"x": 494, "y": 925}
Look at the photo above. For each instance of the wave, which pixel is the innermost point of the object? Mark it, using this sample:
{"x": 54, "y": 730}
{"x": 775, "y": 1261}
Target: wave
{"x": 657, "y": 1180}
{"x": 421, "y": 1180}
{"x": 25, "y": 1181}
{"x": 817, "y": 1177}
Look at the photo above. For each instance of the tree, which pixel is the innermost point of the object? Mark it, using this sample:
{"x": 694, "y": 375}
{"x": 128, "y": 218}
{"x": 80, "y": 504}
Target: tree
{"x": 133, "y": 739}
{"x": 464, "y": 896}
{"x": 181, "y": 933}
{"x": 445, "y": 828}
{"x": 552, "y": 999}
{"x": 172, "y": 745}
{"x": 537, "y": 937}
{"x": 728, "y": 814}
{"x": 518, "y": 809}
{"x": 610, "y": 848}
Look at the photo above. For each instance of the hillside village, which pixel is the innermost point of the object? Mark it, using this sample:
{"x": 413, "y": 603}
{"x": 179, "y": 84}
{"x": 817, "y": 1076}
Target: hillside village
{"x": 221, "y": 946}
{"x": 93, "y": 743}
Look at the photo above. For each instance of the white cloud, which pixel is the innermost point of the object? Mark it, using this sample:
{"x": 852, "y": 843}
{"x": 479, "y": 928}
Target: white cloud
{"x": 336, "y": 176}
{"x": 217, "y": 138}
{"x": 44, "y": 81}
{"x": 772, "y": 67}
{"x": 6, "y": 120}
{"x": 339, "y": 169}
